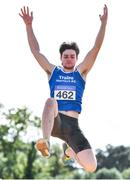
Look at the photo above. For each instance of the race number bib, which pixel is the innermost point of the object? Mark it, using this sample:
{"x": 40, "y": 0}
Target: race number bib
{"x": 65, "y": 93}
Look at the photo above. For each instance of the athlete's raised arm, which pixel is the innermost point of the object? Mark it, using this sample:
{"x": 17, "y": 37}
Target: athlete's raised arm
{"x": 90, "y": 58}
{"x": 33, "y": 43}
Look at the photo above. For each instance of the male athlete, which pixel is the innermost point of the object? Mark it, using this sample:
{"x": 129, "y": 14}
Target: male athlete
{"x": 67, "y": 83}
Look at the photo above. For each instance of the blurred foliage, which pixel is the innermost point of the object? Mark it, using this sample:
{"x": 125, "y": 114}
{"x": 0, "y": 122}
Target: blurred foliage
{"x": 108, "y": 174}
{"x": 126, "y": 174}
{"x": 118, "y": 157}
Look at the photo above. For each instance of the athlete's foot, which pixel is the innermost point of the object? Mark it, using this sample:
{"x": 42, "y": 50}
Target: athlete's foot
{"x": 67, "y": 159}
{"x": 65, "y": 147}
{"x": 42, "y": 145}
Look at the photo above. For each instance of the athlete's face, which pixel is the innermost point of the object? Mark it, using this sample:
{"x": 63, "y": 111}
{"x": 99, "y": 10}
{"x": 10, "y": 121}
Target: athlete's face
{"x": 69, "y": 59}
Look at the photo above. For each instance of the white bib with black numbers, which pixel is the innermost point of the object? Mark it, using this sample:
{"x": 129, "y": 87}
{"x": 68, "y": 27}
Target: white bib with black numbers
{"x": 65, "y": 92}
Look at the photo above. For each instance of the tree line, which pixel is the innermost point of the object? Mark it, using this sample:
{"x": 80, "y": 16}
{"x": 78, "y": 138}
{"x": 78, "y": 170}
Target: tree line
{"x": 20, "y": 160}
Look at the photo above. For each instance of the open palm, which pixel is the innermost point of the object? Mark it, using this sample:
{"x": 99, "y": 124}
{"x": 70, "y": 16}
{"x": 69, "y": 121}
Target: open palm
{"x": 103, "y": 17}
{"x": 26, "y": 15}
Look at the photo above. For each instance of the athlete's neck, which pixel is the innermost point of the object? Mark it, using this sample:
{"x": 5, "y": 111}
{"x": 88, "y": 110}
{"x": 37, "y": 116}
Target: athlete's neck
{"x": 68, "y": 70}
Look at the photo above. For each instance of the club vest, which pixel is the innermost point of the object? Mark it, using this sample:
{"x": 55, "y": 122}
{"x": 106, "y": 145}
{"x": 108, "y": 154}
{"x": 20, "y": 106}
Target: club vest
{"x": 67, "y": 88}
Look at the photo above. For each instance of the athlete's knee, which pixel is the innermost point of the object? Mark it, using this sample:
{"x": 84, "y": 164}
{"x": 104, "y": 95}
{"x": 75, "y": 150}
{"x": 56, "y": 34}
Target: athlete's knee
{"x": 87, "y": 160}
{"x": 51, "y": 103}
{"x": 91, "y": 167}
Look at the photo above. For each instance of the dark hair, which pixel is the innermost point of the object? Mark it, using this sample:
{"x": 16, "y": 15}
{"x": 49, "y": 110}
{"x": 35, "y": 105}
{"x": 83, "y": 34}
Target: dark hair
{"x": 71, "y": 45}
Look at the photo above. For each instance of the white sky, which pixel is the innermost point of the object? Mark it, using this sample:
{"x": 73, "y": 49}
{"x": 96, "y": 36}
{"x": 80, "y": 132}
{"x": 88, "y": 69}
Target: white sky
{"x": 105, "y": 117}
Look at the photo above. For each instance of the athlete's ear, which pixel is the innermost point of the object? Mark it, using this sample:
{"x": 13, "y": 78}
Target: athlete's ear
{"x": 61, "y": 58}
{"x": 76, "y": 58}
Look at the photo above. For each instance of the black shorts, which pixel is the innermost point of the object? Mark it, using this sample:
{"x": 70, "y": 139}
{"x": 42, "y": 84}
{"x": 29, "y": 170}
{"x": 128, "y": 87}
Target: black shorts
{"x": 67, "y": 129}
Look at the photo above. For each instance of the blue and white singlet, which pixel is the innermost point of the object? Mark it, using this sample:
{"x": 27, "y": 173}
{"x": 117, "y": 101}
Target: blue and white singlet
{"x": 67, "y": 88}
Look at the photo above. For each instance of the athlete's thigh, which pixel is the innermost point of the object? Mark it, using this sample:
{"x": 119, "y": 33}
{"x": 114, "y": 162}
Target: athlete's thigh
{"x": 59, "y": 128}
{"x": 77, "y": 141}
{"x": 87, "y": 160}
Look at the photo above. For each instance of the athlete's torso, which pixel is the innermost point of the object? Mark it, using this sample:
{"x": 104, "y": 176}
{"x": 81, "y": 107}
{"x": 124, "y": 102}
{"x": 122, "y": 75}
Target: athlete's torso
{"x": 67, "y": 88}
{"x": 70, "y": 113}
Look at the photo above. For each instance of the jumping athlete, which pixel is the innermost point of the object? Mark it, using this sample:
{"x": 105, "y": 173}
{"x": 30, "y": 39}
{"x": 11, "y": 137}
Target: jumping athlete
{"x": 67, "y": 83}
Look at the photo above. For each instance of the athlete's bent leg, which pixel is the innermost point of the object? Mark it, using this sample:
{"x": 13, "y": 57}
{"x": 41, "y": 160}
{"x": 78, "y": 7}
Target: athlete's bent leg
{"x": 49, "y": 113}
{"x": 87, "y": 160}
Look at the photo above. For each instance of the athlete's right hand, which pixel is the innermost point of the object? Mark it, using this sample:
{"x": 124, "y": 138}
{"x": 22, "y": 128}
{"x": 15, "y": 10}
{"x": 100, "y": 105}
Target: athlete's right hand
{"x": 26, "y": 15}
